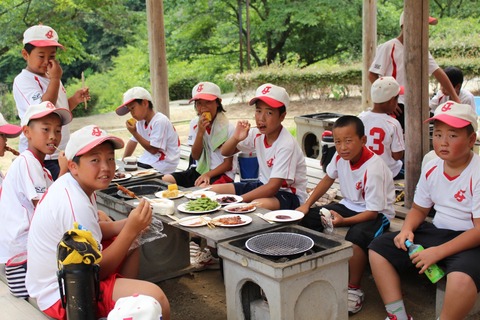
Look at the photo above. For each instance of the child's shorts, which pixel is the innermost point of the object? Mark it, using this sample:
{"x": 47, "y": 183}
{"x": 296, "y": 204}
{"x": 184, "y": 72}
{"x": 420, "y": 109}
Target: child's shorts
{"x": 104, "y": 305}
{"x": 429, "y": 236}
{"x": 360, "y": 234}
{"x": 188, "y": 177}
{"x": 287, "y": 199}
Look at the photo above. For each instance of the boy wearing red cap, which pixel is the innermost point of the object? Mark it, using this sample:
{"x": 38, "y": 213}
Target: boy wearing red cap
{"x": 451, "y": 185}
{"x": 209, "y": 133}
{"x": 91, "y": 164}
{"x": 41, "y": 81}
{"x": 24, "y": 185}
{"x": 7, "y": 131}
{"x": 282, "y": 170}
{"x": 389, "y": 61}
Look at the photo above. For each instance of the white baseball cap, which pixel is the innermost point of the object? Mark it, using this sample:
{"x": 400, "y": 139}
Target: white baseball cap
{"x": 9, "y": 130}
{"x": 206, "y": 91}
{"x": 431, "y": 20}
{"x": 37, "y": 111}
{"x": 456, "y": 115}
{"x": 136, "y": 307}
{"x": 87, "y": 138}
{"x": 384, "y": 89}
{"x": 41, "y": 36}
{"x": 130, "y": 95}
{"x": 272, "y": 95}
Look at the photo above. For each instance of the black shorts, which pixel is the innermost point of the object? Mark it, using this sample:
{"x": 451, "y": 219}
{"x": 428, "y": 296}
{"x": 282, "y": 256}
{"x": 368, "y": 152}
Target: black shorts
{"x": 429, "y": 236}
{"x": 360, "y": 234}
{"x": 188, "y": 177}
{"x": 287, "y": 199}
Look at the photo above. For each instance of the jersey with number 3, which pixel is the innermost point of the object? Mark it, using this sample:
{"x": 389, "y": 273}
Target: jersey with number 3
{"x": 384, "y": 136}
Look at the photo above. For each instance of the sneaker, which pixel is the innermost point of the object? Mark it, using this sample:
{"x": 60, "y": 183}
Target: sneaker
{"x": 194, "y": 249}
{"x": 394, "y": 317}
{"x": 204, "y": 260}
{"x": 355, "y": 300}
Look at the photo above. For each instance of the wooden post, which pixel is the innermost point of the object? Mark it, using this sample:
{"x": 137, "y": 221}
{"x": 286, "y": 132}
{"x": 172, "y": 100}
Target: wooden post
{"x": 240, "y": 36}
{"x": 158, "y": 56}
{"x": 415, "y": 35}
{"x": 249, "y": 66}
{"x": 369, "y": 46}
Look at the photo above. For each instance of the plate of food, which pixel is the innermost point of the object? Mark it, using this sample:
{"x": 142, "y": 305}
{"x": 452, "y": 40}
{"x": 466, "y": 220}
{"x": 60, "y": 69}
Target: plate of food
{"x": 194, "y": 222}
{"x": 171, "y": 193}
{"x": 240, "y": 207}
{"x": 199, "y": 206}
{"x": 231, "y": 220}
{"x": 200, "y": 194}
{"x": 121, "y": 176}
{"x": 226, "y": 199}
{"x": 284, "y": 215}
{"x": 144, "y": 173}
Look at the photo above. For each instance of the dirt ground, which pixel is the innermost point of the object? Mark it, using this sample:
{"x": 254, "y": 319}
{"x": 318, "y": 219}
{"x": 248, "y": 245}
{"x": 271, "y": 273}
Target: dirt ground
{"x": 201, "y": 295}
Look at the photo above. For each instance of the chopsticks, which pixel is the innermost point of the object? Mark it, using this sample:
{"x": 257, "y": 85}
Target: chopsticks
{"x": 83, "y": 87}
{"x": 187, "y": 219}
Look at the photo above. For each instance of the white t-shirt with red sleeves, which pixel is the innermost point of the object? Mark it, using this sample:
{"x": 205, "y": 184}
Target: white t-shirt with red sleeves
{"x": 465, "y": 96}
{"x": 64, "y": 203}
{"x": 384, "y": 136}
{"x": 367, "y": 185}
{"x": 162, "y": 135}
{"x": 28, "y": 89}
{"x": 27, "y": 180}
{"x": 283, "y": 159}
{"x": 389, "y": 61}
{"x": 456, "y": 199}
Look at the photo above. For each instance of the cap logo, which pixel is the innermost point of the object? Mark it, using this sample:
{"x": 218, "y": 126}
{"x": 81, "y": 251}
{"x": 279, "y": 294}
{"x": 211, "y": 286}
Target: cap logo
{"x": 266, "y": 90}
{"x": 200, "y": 87}
{"x": 49, "y": 34}
{"x": 96, "y": 131}
{"x": 447, "y": 106}
{"x": 50, "y": 105}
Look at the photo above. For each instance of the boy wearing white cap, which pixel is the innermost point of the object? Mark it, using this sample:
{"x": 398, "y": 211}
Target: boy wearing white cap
{"x": 389, "y": 61}
{"x": 451, "y": 185}
{"x": 152, "y": 130}
{"x": 7, "y": 131}
{"x": 91, "y": 163}
{"x": 282, "y": 170}
{"x": 41, "y": 81}
{"x": 209, "y": 134}
{"x": 24, "y": 185}
{"x": 384, "y": 133}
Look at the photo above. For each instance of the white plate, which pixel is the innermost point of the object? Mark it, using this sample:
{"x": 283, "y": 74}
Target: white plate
{"x": 198, "y": 194}
{"x": 284, "y": 215}
{"x": 143, "y": 173}
{"x": 219, "y": 197}
{"x": 246, "y": 220}
{"x": 194, "y": 222}
{"x": 181, "y": 208}
{"x": 159, "y": 194}
{"x": 230, "y": 208}
{"x": 127, "y": 176}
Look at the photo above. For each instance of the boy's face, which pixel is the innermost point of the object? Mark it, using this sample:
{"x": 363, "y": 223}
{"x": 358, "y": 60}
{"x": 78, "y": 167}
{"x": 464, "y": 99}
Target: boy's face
{"x": 452, "y": 144}
{"x": 95, "y": 169}
{"x": 138, "y": 111}
{"x": 206, "y": 106}
{"x": 348, "y": 144}
{"x": 268, "y": 119}
{"x": 3, "y": 144}
{"x": 39, "y": 58}
{"x": 44, "y": 134}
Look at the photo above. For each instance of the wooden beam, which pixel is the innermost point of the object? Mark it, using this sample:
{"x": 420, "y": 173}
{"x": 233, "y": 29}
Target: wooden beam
{"x": 158, "y": 56}
{"x": 415, "y": 29}
{"x": 369, "y": 47}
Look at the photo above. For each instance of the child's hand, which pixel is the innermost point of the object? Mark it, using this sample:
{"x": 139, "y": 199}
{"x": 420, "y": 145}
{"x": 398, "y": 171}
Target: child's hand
{"x": 54, "y": 70}
{"x": 131, "y": 126}
{"x": 399, "y": 240}
{"x": 337, "y": 219}
{"x": 203, "y": 123}
{"x": 304, "y": 208}
{"x": 241, "y": 130}
{"x": 80, "y": 95}
{"x": 62, "y": 161}
{"x": 140, "y": 217}
{"x": 202, "y": 181}
{"x": 425, "y": 258}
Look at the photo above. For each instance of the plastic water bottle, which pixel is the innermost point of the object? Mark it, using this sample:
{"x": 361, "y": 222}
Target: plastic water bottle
{"x": 434, "y": 272}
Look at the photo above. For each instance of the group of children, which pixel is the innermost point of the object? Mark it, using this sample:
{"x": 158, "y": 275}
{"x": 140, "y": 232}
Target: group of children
{"x": 36, "y": 208}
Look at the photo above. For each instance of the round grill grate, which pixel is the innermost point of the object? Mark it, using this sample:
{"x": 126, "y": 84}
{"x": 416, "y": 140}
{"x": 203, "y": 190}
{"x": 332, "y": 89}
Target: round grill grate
{"x": 279, "y": 244}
